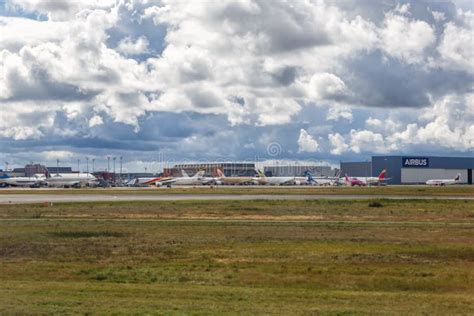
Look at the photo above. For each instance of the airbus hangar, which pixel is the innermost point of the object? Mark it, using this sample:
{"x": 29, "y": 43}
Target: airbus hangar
{"x": 417, "y": 169}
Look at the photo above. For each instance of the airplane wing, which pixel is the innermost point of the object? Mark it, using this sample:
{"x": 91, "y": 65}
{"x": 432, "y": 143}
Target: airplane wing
{"x": 165, "y": 182}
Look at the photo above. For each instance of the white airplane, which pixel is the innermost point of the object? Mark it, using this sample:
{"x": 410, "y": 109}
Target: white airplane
{"x": 363, "y": 181}
{"x": 32, "y": 182}
{"x": 232, "y": 180}
{"x": 187, "y": 180}
{"x": 443, "y": 182}
{"x": 66, "y": 180}
{"x": 264, "y": 180}
{"x": 324, "y": 181}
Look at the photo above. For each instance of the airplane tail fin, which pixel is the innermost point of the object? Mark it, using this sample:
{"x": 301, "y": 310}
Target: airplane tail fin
{"x": 346, "y": 177}
{"x": 260, "y": 173}
{"x": 382, "y": 175}
{"x": 184, "y": 173}
{"x": 458, "y": 177}
{"x": 4, "y": 176}
{"x": 310, "y": 178}
{"x": 199, "y": 174}
{"x": 220, "y": 173}
{"x": 338, "y": 174}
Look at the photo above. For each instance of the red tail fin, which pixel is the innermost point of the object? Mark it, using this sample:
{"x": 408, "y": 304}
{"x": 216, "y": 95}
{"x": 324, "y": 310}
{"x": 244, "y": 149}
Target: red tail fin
{"x": 382, "y": 174}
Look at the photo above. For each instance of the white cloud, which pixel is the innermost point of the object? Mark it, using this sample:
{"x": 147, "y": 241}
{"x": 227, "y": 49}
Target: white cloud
{"x": 438, "y": 16}
{"x": 274, "y": 111}
{"x": 130, "y": 47}
{"x": 373, "y": 122}
{"x": 367, "y": 141}
{"x": 450, "y": 123}
{"x": 403, "y": 8}
{"x": 96, "y": 120}
{"x": 306, "y": 143}
{"x": 57, "y": 154}
{"x": 406, "y": 39}
{"x": 326, "y": 86}
{"x": 337, "y": 112}
{"x": 457, "y": 44}
{"x": 338, "y": 144}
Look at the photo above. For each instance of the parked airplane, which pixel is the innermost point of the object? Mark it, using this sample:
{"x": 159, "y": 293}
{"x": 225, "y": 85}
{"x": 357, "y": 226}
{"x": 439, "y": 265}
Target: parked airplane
{"x": 264, "y": 180}
{"x": 366, "y": 180}
{"x": 202, "y": 179}
{"x": 71, "y": 180}
{"x": 32, "y": 182}
{"x": 324, "y": 181}
{"x": 187, "y": 180}
{"x": 443, "y": 182}
{"x": 232, "y": 180}
{"x": 158, "y": 181}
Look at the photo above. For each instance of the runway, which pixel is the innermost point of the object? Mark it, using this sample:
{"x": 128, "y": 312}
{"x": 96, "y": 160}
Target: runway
{"x": 42, "y": 198}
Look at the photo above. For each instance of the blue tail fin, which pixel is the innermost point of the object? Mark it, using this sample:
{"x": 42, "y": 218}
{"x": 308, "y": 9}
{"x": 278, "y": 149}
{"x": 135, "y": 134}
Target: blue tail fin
{"x": 310, "y": 178}
{"x": 4, "y": 176}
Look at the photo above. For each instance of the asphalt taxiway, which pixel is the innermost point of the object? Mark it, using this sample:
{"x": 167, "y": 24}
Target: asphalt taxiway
{"x": 42, "y": 198}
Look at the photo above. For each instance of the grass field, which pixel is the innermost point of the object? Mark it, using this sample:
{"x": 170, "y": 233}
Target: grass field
{"x": 457, "y": 190}
{"x": 239, "y": 257}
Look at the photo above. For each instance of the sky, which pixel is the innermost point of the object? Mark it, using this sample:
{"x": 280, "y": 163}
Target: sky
{"x": 158, "y": 82}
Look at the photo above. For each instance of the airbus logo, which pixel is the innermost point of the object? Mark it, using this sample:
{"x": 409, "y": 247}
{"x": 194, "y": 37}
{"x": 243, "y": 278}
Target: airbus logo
{"x": 416, "y": 162}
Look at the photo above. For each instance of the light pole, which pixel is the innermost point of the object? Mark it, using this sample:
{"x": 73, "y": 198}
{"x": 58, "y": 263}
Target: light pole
{"x": 115, "y": 180}
{"x": 121, "y": 160}
{"x": 108, "y": 163}
{"x": 6, "y": 166}
{"x": 78, "y": 168}
{"x": 87, "y": 165}
{"x": 57, "y": 166}
{"x": 93, "y": 163}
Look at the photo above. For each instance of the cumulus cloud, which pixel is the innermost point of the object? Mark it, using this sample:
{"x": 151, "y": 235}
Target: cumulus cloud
{"x": 337, "y": 112}
{"x": 457, "y": 46}
{"x": 449, "y": 123}
{"x": 130, "y": 47}
{"x": 95, "y": 121}
{"x": 306, "y": 142}
{"x": 326, "y": 86}
{"x": 57, "y": 154}
{"x": 367, "y": 141}
{"x": 338, "y": 144}
{"x": 406, "y": 39}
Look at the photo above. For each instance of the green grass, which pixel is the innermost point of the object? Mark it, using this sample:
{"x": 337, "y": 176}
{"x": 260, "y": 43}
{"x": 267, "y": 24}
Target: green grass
{"x": 385, "y": 210}
{"x": 238, "y": 257}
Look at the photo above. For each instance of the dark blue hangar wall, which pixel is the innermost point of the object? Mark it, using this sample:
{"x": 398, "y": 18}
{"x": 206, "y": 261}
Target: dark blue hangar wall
{"x": 395, "y": 164}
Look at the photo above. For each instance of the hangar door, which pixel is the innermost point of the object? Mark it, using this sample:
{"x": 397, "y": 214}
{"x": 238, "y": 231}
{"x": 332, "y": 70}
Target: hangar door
{"x": 421, "y": 175}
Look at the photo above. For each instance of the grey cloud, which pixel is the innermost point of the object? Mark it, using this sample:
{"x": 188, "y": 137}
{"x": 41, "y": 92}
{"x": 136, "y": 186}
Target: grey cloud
{"x": 285, "y": 76}
{"x": 40, "y": 86}
{"x": 278, "y": 27}
{"x": 378, "y": 82}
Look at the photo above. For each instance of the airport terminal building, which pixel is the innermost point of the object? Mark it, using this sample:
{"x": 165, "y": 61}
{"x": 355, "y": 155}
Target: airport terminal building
{"x": 230, "y": 169}
{"x": 413, "y": 169}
